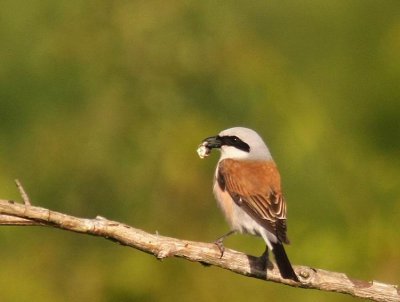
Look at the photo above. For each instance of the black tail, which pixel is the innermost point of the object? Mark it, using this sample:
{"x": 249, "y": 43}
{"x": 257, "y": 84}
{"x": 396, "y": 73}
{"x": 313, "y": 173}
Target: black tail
{"x": 283, "y": 262}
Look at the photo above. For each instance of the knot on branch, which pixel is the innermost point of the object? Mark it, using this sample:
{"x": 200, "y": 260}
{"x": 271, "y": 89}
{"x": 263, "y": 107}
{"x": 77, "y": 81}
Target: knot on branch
{"x": 306, "y": 273}
{"x": 165, "y": 250}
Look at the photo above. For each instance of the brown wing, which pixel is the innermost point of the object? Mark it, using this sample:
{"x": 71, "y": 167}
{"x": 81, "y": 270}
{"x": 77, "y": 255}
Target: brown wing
{"x": 255, "y": 187}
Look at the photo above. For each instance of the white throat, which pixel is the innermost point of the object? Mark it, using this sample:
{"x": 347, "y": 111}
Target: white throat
{"x": 232, "y": 152}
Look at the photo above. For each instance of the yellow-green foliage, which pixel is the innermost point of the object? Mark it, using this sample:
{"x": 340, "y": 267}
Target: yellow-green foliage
{"x": 103, "y": 104}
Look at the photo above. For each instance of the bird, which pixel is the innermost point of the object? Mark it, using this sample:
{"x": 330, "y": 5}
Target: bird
{"x": 247, "y": 187}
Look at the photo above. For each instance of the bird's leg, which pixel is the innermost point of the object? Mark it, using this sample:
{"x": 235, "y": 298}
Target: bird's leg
{"x": 264, "y": 259}
{"x": 220, "y": 242}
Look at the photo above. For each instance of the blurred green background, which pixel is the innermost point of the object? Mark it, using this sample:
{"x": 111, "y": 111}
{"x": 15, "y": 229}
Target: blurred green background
{"x": 103, "y": 104}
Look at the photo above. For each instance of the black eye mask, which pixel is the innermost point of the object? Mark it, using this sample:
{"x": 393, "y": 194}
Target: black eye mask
{"x": 234, "y": 141}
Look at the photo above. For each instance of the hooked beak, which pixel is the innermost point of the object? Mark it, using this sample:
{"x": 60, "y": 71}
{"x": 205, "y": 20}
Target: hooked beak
{"x": 213, "y": 142}
{"x": 208, "y": 144}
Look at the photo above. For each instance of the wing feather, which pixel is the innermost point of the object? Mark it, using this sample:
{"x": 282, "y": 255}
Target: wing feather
{"x": 255, "y": 186}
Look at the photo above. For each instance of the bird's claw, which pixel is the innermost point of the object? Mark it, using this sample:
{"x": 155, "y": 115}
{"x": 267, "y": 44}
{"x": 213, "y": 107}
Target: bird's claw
{"x": 220, "y": 244}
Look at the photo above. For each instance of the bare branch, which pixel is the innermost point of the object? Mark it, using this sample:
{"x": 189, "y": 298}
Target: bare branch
{"x": 205, "y": 253}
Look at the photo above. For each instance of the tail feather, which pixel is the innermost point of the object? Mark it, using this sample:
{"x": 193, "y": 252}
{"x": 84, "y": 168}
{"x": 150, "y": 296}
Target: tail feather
{"x": 283, "y": 262}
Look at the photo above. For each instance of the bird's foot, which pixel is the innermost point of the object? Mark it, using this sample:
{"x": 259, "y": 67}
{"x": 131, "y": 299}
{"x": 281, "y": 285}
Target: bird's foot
{"x": 220, "y": 244}
{"x": 264, "y": 262}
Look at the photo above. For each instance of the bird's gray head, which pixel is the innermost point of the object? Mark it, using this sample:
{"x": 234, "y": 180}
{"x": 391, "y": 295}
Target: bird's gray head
{"x": 238, "y": 143}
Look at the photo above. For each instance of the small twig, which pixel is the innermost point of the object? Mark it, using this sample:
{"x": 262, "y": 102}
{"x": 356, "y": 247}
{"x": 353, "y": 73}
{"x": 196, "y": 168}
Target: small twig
{"x": 22, "y": 191}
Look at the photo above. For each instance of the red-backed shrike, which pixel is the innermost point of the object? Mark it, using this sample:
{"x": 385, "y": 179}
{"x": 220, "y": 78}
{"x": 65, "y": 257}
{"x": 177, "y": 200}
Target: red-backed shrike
{"x": 247, "y": 187}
